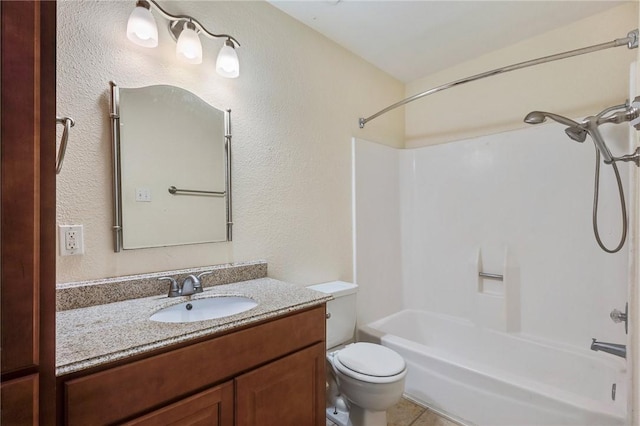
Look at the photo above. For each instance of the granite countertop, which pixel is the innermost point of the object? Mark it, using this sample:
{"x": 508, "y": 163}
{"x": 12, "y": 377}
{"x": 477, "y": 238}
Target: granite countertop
{"x": 91, "y": 336}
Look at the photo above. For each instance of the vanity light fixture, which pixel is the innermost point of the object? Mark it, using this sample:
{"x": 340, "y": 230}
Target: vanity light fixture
{"x": 141, "y": 27}
{"x": 188, "y": 47}
{"x": 227, "y": 64}
{"x": 186, "y": 31}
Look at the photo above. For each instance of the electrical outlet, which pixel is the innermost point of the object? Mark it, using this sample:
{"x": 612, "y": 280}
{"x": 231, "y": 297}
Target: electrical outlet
{"x": 70, "y": 240}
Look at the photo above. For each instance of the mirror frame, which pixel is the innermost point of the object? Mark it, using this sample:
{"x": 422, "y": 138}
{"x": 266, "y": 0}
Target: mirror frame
{"x": 114, "y": 116}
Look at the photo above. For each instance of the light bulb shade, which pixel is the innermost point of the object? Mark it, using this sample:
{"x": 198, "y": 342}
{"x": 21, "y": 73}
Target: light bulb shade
{"x": 189, "y": 48}
{"x": 142, "y": 28}
{"x": 227, "y": 64}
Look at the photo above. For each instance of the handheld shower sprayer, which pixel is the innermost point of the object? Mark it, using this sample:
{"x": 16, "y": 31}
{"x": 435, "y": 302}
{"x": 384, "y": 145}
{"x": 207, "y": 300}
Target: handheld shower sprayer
{"x": 537, "y": 117}
{"x": 578, "y": 132}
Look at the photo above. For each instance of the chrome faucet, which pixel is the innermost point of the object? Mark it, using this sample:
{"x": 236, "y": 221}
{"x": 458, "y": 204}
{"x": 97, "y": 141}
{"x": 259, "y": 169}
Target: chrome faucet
{"x": 611, "y": 348}
{"x": 190, "y": 285}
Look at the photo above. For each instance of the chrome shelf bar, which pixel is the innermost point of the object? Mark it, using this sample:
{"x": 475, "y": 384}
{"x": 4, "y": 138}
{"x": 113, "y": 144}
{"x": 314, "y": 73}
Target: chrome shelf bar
{"x": 631, "y": 41}
{"x": 491, "y": 276}
{"x": 176, "y": 191}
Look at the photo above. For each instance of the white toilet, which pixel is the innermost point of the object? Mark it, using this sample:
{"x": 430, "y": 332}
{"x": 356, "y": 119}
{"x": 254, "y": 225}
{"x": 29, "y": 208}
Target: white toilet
{"x": 370, "y": 377}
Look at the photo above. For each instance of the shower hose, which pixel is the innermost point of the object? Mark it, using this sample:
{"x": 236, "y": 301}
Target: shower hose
{"x": 623, "y": 207}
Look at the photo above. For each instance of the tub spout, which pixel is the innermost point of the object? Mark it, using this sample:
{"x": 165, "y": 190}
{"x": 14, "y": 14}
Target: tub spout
{"x": 612, "y": 348}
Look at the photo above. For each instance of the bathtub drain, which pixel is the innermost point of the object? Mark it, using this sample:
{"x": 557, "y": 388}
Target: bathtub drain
{"x": 613, "y": 392}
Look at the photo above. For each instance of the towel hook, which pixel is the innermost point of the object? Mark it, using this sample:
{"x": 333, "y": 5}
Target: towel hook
{"x": 68, "y": 123}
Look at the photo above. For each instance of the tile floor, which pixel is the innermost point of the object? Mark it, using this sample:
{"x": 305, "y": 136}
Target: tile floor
{"x": 406, "y": 413}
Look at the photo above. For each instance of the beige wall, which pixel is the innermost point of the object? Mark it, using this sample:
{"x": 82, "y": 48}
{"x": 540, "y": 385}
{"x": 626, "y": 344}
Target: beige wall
{"x": 574, "y": 87}
{"x": 295, "y": 109}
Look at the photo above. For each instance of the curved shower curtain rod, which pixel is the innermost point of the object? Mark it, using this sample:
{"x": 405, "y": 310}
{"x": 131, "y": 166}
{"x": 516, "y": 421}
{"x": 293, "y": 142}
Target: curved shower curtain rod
{"x": 631, "y": 41}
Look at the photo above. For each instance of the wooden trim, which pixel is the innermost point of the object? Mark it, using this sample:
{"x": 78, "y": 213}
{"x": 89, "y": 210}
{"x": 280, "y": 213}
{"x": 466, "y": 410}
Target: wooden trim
{"x": 47, "y": 253}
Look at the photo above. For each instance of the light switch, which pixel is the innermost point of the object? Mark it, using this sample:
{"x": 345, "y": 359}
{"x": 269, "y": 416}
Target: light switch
{"x": 143, "y": 195}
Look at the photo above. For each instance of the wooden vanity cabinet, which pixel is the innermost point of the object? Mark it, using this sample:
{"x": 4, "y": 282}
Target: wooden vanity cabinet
{"x": 272, "y": 373}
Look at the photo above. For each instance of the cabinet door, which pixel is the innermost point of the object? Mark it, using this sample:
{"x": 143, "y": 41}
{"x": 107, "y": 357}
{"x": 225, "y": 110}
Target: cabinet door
{"x": 287, "y": 392}
{"x": 20, "y": 401}
{"x": 213, "y": 407}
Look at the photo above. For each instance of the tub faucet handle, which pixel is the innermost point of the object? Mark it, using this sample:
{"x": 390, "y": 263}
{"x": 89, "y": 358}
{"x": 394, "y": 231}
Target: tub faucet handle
{"x": 618, "y": 316}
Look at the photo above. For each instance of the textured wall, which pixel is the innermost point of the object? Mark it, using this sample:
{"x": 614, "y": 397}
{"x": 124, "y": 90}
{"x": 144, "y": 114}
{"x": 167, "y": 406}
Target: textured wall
{"x": 572, "y": 87}
{"x": 295, "y": 109}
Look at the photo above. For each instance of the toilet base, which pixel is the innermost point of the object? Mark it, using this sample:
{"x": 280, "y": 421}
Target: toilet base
{"x": 357, "y": 416}
{"x": 361, "y": 417}
{"x": 341, "y": 418}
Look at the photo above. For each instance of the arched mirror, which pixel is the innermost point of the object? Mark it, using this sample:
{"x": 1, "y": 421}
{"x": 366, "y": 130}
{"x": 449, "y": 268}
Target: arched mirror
{"x": 171, "y": 168}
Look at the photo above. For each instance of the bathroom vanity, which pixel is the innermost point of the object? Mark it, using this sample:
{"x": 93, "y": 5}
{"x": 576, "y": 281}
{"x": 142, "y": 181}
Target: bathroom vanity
{"x": 261, "y": 367}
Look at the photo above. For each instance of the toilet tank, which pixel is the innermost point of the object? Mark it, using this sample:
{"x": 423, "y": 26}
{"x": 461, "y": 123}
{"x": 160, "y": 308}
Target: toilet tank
{"x": 341, "y": 323}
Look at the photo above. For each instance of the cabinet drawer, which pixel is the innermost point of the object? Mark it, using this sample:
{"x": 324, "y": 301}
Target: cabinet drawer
{"x": 213, "y": 407}
{"x": 141, "y": 386}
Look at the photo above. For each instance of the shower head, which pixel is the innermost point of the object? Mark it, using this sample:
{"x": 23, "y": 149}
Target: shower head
{"x": 576, "y": 133}
{"x": 537, "y": 117}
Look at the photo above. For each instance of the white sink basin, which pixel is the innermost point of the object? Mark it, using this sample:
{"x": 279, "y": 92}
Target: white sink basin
{"x": 204, "y": 309}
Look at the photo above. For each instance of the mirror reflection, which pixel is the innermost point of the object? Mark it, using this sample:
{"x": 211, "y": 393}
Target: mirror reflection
{"x": 172, "y": 149}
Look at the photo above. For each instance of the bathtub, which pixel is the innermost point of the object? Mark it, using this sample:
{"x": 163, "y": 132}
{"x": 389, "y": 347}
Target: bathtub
{"x": 486, "y": 377}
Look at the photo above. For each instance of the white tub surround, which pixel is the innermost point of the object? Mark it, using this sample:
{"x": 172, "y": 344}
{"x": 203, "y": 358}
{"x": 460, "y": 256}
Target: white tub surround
{"x": 516, "y": 204}
{"x": 519, "y": 205}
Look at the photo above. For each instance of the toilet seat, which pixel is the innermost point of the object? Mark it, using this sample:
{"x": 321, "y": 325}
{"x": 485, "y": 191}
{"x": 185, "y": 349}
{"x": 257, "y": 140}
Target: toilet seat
{"x": 370, "y": 363}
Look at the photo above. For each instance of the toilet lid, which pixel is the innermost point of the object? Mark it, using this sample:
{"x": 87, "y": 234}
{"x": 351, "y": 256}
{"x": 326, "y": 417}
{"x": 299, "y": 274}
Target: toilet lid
{"x": 371, "y": 360}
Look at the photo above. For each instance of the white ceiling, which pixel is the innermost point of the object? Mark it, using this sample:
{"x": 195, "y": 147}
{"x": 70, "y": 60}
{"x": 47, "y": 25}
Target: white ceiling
{"x": 412, "y": 39}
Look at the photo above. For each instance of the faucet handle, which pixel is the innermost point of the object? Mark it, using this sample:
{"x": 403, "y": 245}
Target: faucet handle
{"x": 200, "y": 276}
{"x": 197, "y": 284}
{"x": 204, "y": 274}
{"x": 617, "y": 317}
{"x": 174, "y": 289}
